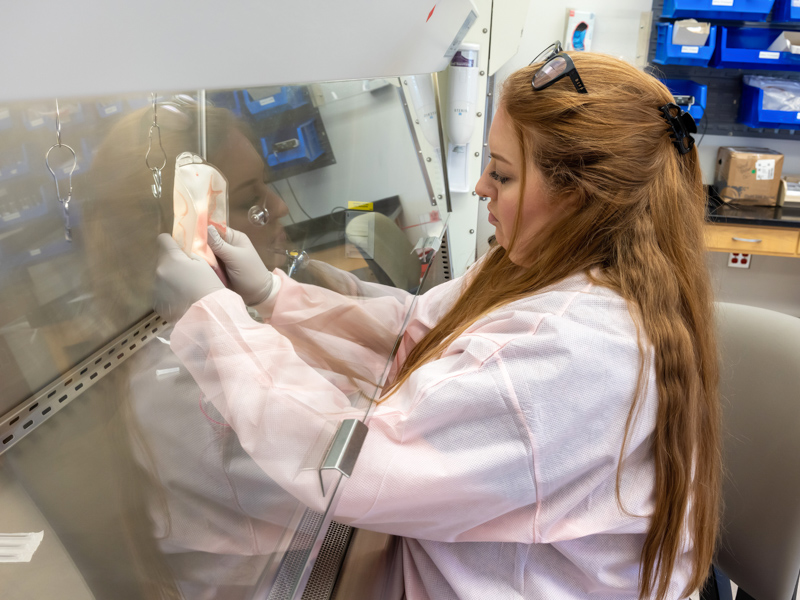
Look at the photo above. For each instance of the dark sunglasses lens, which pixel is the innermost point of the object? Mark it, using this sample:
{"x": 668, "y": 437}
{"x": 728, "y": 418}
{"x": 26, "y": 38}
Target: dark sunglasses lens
{"x": 547, "y": 53}
{"x": 552, "y": 70}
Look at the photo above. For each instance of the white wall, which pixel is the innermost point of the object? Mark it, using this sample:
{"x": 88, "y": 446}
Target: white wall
{"x": 375, "y": 159}
{"x": 771, "y": 282}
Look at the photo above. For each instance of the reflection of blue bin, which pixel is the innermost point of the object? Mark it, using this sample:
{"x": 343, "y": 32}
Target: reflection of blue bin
{"x": 292, "y": 146}
{"x": 229, "y": 100}
{"x": 752, "y": 114}
{"x": 13, "y": 162}
{"x": 668, "y": 53}
{"x": 5, "y": 118}
{"x": 746, "y": 48}
{"x": 740, "y": 10}
{"x": 272, "y": 100}
{"x": 685, "y": 87}
{"x": 39, "y": 116}
{"x": 15, "y": 210}
{"x": 786, "y": 11}
{"x": 109, "y": 109}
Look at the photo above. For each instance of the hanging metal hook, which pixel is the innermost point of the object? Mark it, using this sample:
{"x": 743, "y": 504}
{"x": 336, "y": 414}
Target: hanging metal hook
{"x": 67, "y": 171}
{"x": 156, "y": 187}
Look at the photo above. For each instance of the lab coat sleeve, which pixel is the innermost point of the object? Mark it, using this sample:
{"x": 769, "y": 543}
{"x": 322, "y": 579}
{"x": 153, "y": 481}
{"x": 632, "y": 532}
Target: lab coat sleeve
{"x": 351, "y": 335}
{"x": 282, "y": 410}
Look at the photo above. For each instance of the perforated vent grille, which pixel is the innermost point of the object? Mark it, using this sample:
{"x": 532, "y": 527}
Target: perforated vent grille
{"x": 329, "y": 561}
{"x": 296, "y": 556}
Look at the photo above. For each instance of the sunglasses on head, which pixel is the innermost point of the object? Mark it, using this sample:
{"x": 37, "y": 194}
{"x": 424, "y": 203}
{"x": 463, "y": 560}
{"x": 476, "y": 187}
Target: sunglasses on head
{"x": 556, "y": 65}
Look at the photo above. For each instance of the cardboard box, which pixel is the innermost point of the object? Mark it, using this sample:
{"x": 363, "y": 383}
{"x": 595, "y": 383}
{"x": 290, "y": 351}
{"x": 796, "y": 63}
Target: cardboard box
{"x": 690, "y": 32}
{"x": 789, "y": 191}
{"x": 749, "y": 176}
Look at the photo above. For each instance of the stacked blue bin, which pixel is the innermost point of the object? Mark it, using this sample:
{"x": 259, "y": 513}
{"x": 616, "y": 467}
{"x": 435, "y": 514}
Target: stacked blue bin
{"x": 685, "y": 87}
{"x": 786, "y": 11}
{"x": 668, "y": 53}
{"x": 280, "y": 99}
{"x": 308, "y": 147}
{"x": 752, "y": 113}
{"x": 746, "y": 48}
{"x": 730, "y": 10}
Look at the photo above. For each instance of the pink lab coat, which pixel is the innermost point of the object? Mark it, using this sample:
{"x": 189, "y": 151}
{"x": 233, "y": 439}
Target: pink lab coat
{"x": 496, "y": 463}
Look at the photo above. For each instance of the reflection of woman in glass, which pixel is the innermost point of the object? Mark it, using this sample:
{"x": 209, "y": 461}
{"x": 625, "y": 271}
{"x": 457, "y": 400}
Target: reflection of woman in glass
{"x": 552, "y": 429}
{"x": 215, "y": 515}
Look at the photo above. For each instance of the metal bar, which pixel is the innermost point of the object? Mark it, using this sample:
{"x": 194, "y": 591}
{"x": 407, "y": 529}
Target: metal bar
{"x": 40, "y": 407}
{"x": 487, "y": 122}
{"x": 443, "y": 152}
{"x": 417, "y": 146}
{"x": 202, "y": 142}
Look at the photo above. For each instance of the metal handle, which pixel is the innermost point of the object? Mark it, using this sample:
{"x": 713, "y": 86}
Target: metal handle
{"x": 738, "y": 239}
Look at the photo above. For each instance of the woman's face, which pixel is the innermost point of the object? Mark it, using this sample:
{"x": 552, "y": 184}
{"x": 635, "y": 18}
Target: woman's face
{"x": 244, "y": 170}
{"x": 501, "y": 182}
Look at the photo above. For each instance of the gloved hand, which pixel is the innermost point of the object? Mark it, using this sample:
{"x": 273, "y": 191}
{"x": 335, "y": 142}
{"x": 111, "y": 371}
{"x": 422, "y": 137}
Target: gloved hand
{"x": 180, "y": 280}
{"x": 248, "y": 275}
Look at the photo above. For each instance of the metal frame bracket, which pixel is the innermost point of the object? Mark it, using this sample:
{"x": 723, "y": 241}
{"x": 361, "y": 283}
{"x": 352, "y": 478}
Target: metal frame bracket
{"x": 344, "y": 449}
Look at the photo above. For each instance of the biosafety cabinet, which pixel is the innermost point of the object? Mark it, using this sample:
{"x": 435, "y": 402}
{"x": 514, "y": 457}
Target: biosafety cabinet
{"x": 118, "y": 479}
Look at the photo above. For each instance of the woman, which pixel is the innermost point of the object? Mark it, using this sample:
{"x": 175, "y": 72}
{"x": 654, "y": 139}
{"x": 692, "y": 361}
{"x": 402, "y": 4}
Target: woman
{"x": 551, "y": 429}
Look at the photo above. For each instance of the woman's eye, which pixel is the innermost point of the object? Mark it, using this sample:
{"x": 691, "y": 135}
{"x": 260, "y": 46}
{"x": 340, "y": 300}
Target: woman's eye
{"x": 497, "y": 177}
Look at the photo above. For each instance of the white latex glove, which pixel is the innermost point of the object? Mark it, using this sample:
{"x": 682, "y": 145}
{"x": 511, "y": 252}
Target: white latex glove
{"x": 247, "y": 274}
{"x": 180, "y": 280}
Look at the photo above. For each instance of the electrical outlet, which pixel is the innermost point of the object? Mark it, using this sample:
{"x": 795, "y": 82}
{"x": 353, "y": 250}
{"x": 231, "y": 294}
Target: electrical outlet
{"x": 739, "y": 260}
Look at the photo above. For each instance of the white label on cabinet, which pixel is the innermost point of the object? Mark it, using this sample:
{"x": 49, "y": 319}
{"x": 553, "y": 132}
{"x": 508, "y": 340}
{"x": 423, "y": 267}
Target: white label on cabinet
{"x": 721, "y": 2}
{"x": 765, "y": 169}
{"x": 798, "y": 116}
{"x": 796, "y": 3}
{"x": 690, "y": 49}
{"x": 36, "y": 252}
{"x": 769, "y": 55}
{"x": 266, "y": 101}
{"x": 11, "y": 217}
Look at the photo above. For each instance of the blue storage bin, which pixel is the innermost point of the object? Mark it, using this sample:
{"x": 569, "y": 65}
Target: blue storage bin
{"x": 731, "y": 10}
{"x": 686, "y": 87}
{"x": 786, "y": 11}
{"x": 746, "y": 48}
{"x": 274, "y": 99}
{"x": 301, "y": 144}
{"x": 752, "y": 114}
{"x": 668, "y": 53}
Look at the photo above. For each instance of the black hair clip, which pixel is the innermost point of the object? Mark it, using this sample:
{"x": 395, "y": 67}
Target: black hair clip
{"x": 682, "y": 125}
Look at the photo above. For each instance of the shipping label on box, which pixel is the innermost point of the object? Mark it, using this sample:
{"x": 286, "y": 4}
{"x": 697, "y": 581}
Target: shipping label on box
{"x": 748, "y": 175}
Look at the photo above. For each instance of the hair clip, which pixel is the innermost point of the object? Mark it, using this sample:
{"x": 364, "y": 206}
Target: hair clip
{"x": 682, "y": 125}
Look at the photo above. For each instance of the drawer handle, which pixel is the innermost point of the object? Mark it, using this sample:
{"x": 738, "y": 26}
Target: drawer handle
{"x": 738, "y": 239}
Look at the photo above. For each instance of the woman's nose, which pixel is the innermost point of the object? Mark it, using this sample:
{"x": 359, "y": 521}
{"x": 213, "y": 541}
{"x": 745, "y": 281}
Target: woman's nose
{"x": 482, "y": 188}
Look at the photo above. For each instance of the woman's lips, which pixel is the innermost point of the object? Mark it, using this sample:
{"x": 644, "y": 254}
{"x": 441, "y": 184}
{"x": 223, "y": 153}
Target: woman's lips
{"x": 492, "y": 220}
